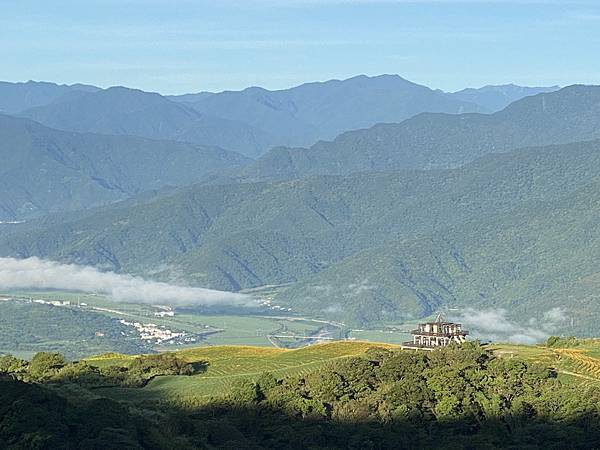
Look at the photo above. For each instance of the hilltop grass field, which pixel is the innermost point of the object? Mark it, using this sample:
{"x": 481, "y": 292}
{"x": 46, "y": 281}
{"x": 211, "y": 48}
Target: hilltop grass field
{"x": 228, "y": 365}
{"x": 578, "y": 364}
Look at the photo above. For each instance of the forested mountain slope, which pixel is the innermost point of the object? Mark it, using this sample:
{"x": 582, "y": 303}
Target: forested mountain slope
{"x": 45, "y": 170}
{"x": 430, "y": 141}
{"x": 543, "y": 255}
{"x": 430, "y": 236}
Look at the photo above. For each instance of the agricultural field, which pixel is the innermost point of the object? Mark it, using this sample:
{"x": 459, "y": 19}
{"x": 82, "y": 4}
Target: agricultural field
{"x": 235, "y": 346}
{"x": 579, "y": 363}
{"x": 268, "y": 328}
{"x": 27, "y": 328}
{"x": 229, "y": 364}
{"x": 199, "y": 327}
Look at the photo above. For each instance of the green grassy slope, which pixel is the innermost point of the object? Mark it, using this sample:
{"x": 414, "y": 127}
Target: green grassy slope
{"x": 228, "y": 365}
{"x": 578, "y": 365}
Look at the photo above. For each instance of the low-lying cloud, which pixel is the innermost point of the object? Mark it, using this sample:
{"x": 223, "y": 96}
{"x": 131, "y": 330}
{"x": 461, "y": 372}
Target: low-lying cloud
{"x": 495, "y": 325}
{"x": 35, "y": 273}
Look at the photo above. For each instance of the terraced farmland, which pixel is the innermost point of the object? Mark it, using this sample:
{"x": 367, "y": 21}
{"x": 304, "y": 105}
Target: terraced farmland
{"x": 228, "y": 364}
{"x": 580, "y": 364}
{"x": 576, "y": 363}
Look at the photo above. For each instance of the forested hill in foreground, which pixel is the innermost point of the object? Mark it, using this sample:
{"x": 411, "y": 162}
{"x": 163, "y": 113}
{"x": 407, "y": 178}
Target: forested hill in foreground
{"x": 346, "y": 395}
{"x": 509, "y": 230}
{"x": 430, "y": 141}
{"x": 45, "y": 170}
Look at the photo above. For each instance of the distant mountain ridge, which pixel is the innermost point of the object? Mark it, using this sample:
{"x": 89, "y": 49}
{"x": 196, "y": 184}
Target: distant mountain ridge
{"x": 250, "y": 121}
{"x": 322, "y": 110}
{"x": 124, "y": 111}
{"x": 17, "y": 97}
{"x": 437, "y": 141}
{"x": 497, "y": 97}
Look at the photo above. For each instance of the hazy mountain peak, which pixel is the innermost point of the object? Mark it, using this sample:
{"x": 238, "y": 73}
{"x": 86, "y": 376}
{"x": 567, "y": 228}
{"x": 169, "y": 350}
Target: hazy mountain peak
{"x": 578, "y": 98}
{"x": 124, "y": 111}
{"x": 304, "y": 114}
{"x": 19, "y": 96}
{"x": 497, "y": 97}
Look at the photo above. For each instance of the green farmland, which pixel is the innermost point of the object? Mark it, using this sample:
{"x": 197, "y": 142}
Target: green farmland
{"x": 98, "y": 314}
{"x": 229, "y": 364}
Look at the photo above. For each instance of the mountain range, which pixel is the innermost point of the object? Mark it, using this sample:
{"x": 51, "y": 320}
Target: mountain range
{"x": 513, "y": 230}
{"x": 496, "y": 98}
{"x": 124, "y": 111}
{"x": 100, "y": 126}
{"x": 379, "y": 225}
{"x": 249, "y": 121}
{"x": 315, "y": 111}
{"x": 433, "y": 140}
{"x": 17, "y": 97}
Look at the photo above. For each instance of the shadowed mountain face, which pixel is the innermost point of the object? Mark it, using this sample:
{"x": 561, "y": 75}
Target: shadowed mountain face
{"x": 430, "y": 141}
{"x": 45, "y": 170}
{"x": 16, "y": 97}
{"x": 371, "y": 247}
{"x": 496, "y": 98}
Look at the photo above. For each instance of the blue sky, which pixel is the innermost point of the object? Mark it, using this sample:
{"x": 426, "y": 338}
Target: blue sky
{"x": 173, "y": 46}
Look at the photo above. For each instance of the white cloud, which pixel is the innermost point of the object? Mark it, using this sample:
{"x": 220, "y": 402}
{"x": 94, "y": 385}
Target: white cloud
{"x": 34, "y": 273}
{"x": 495, "y": 325}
